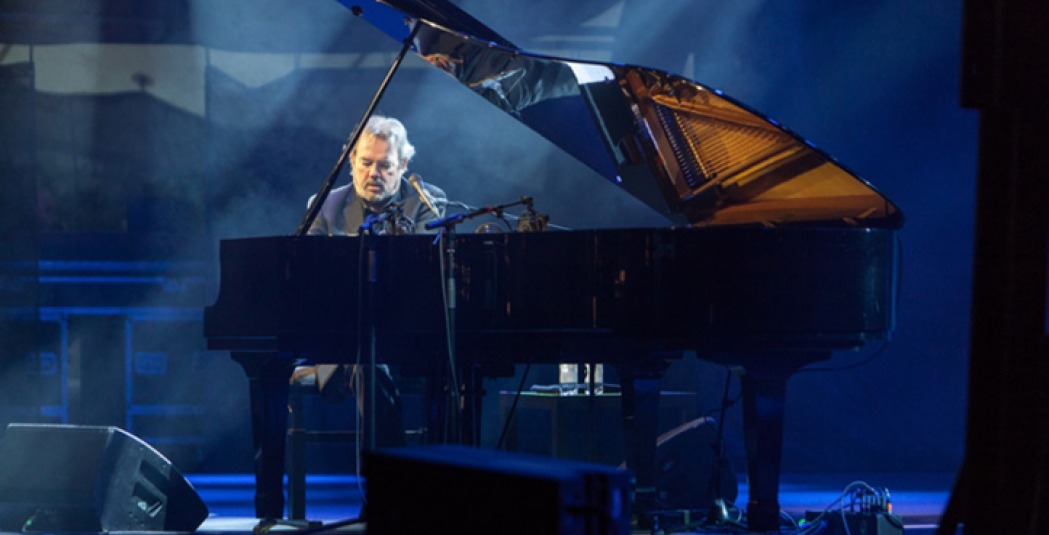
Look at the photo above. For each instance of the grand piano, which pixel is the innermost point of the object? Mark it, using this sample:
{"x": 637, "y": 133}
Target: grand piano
{"x": 776, "y": 258}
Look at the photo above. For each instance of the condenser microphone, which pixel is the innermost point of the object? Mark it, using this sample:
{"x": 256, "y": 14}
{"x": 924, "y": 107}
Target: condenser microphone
{"x": 413, "y": 179}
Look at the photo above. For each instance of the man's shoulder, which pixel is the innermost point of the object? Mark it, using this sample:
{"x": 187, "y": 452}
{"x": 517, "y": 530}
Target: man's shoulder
{"x": 335, "y": 196}
{"x": 340, "y": 193}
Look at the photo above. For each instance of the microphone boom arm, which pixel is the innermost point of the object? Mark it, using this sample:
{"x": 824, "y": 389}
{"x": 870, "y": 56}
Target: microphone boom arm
{"x": 454, "y": 219}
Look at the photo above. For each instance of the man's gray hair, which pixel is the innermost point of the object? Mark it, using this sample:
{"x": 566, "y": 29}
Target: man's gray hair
{"x": 393, "y": 132}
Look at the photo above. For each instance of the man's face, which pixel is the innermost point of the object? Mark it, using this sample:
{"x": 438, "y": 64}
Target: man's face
{"x": 376, "y": 170}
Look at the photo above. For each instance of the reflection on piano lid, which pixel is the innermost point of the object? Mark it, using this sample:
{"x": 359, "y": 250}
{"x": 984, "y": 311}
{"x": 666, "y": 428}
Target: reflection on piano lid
{"x": 690, "y": 152}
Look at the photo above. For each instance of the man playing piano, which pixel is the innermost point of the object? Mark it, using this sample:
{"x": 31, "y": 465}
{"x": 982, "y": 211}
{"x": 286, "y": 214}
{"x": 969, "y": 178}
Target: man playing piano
{"x": 381, "y": 201}
{"x": 380, "y": 192}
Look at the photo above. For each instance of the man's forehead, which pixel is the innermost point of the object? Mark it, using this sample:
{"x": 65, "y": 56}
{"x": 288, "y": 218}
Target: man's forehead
{"x": 373, "y": 141}
{"x": 375, "y": 146}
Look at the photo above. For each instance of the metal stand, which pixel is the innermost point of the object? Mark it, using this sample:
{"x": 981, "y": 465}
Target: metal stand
{"x": 718, "y": 512}
{"x": 466, "y": 390}
{"x": 372, "y": 278}
{"x": 447, "y": 244}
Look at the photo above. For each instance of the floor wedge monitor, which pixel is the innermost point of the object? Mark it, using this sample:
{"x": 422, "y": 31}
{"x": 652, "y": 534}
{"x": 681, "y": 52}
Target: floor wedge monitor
{"x": 91, "y": 479}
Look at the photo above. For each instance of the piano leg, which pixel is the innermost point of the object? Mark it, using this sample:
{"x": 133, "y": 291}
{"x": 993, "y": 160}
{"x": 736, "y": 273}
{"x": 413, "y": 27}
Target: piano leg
{"x": 764, "y": 386}
{"x": 268, "y": 379}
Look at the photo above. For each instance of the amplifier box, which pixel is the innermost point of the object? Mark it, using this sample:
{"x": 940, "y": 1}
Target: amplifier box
{"x": 460, "y": 489}
{"x": 857, "y": 523}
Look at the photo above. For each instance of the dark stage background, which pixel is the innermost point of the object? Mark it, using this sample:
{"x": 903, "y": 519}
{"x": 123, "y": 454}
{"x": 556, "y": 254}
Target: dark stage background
{"x": 123, "y": 195}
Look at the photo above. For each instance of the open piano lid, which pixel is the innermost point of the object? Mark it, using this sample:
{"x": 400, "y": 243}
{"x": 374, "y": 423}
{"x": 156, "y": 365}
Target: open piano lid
{"x": 690, "y": 152}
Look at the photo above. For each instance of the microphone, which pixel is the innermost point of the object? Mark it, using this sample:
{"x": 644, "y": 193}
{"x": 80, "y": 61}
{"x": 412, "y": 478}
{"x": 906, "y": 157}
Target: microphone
{"x": 392, "y": 212}
{"x": 370, "y": 221}
{"x": 413, "y": 179}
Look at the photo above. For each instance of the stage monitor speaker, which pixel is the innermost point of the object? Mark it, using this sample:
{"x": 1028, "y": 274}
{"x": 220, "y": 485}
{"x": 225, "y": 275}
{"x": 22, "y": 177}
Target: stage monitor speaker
{"x": 460, "y": 489}
{"x": 90, "y": 478}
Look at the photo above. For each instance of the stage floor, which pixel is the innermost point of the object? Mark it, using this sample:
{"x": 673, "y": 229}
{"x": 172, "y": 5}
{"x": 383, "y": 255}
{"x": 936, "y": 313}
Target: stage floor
{"x": 919, "y": 499}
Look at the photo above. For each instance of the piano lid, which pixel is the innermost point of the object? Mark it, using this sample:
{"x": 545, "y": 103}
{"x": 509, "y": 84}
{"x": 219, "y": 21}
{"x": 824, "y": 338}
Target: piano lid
{"x": 688, "y": 151}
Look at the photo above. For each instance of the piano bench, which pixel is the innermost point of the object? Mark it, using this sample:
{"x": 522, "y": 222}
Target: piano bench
{"x": 298, "y": 439}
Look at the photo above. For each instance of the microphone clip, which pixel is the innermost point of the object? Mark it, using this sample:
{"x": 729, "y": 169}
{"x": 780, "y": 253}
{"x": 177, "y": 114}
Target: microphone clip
{"x": 530, "y": 220}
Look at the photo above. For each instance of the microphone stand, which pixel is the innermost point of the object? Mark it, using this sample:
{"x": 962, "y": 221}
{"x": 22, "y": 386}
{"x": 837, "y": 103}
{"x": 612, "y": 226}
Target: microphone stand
{"x": 462, "y": 400}
{"x": 718, "y": 513}
{"x": 372, "y": 278}
{"x": 447, "y": 240}
{"x": 389, "y": 218}
{"x": 454, "y": 219}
